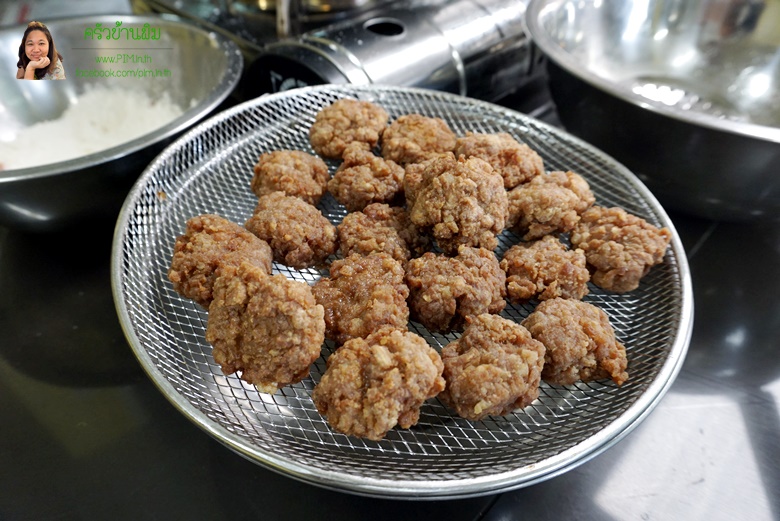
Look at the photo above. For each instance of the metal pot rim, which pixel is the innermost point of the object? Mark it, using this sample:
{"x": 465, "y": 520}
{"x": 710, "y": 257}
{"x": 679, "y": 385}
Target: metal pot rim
{"x": 540, "y": 37}
{"x": 185, "y": 120}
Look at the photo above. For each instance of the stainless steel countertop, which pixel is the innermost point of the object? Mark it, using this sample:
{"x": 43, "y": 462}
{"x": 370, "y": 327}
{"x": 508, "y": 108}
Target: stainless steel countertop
{"x": 84, "y": 434}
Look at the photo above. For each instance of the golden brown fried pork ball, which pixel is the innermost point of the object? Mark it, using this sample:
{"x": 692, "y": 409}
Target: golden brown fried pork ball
{"x": 381, "y": 228}
{"x": 460, "y": 202}
{"x": 619, "y": 246}
{"x": 373, "y": 384}
{"x": 492, "y": 369}
{"x": 516, "y": 162}
{"x": 577, "y": 184}
{"x": 446, "y": 290}
{"x": 579, "y": 340}
{"x": 344, "y": 122}
{"x": 413, "y": 177}
{"x": 269, "y": 328}
{"x": 544, "y": 269}
{"x": 299, "y": 235}
{"x": 413, "y": 138}
{"x": 362, "y": 294}
{"x": 548, "y": 204}
{"x": 293, "y": 172}
{"x": 363, "y": 178}
{"x": 209, "y": 242}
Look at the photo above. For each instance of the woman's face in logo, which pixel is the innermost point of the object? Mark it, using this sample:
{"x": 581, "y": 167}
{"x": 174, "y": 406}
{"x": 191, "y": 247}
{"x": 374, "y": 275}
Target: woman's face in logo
{"x": 36, "y": 46}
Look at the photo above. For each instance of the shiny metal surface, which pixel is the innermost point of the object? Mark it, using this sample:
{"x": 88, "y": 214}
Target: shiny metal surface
{"x": 475, "y": 48}
{"x": 443, "y": 456}
{"x": 87, "y": 435}
{"x": 305, "y": 6}
{"x": 687, "y": 94}
{"x": 290, "y": 16}
{"x": 204, "y": 68}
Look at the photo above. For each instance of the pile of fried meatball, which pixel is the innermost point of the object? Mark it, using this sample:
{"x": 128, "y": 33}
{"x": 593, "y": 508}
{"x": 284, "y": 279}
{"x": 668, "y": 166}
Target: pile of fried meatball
{"x": 425, "y": 209}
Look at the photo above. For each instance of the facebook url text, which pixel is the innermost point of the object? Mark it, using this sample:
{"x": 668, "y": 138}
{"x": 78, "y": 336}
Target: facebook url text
{"x": 123, "y": 73}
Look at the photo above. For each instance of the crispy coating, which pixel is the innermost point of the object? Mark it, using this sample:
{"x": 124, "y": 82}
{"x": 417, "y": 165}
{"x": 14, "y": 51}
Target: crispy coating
{"x": 620, "y": 247}
{"x": 544, "y": 269}
{"x": 460, "y": 202}
{"x": 446, "y": 290}
{"x": 344, "y": 122}
{"x": 516, "y": 162}
{"x": 373, "y": 384}
{"x": 580, "y": 342}
{"x": 268, "y": 327}
{"x": 413, "y": 177}
{"x": 293, "y": 172}
{"x": 381, "y": 228}
{"x": 299, "y": 235}
{"x": 548, "y": 204}
{"x": 363, "y": 178}
{"x": 209, "y": 242}
{"x": 413, "y": 138}
{"x": 362, "y": 294}
{"x": 494, "y": 368}
{"x": 577, "y": 184}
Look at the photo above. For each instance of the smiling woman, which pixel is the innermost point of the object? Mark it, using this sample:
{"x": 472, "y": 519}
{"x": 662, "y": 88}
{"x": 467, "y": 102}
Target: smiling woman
{"x": 38, "y": 57}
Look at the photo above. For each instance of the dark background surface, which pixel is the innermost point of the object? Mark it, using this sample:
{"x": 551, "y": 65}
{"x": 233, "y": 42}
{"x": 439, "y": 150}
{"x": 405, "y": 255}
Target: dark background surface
{"x": 85, "y": 434}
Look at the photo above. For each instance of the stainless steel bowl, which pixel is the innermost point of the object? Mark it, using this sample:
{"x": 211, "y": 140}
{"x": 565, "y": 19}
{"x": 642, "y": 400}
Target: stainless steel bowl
{"x": 203, "y": 68}
{"x": 684, "y": 93}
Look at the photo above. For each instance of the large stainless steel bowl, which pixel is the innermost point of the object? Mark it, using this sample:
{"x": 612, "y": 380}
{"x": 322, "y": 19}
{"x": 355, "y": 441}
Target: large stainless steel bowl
{"x": 684, "y": 93}
{"x": 203, "y": 68}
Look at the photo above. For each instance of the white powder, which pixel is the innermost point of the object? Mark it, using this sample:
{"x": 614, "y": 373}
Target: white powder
{"x": 100, "y": 119}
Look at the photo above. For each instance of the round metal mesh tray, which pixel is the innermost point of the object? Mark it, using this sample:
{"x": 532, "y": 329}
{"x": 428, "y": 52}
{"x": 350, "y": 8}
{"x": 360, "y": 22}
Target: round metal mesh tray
{"x": 209, "y": 169}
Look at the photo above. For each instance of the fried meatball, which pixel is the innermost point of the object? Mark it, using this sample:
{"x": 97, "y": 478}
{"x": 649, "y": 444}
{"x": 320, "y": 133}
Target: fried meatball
{"x": 209, "y": 242}
{"x": 620, "y": 247}
{"x": 381, "y": 228}
{"x": 373, "y": 384}
{"x": 293, "y": 172}
{"x": 446, "y": 290}
{"x": 299, "y": 235}
{"x": 413, "y": 138}
{"x": 413, "y": 177}
{"x": 577, "y": 184}
{"x": 362, "y": 294}
{"x": 547, "y": 204}
{"x": 579, "y": 340}
{"x": 363, "y": 178}
{"x": 460, "y": 202}
{"x": 268, "y": 327}
{"x": 544, "y": 269}
{"x": 492, "y": 369}
{"x": 344, "y": 122}
{"x": 516, "y": 162}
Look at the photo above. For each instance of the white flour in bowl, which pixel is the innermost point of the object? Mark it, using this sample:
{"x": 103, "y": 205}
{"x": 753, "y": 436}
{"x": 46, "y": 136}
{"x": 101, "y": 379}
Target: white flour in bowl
{"x": 100, "y": 119}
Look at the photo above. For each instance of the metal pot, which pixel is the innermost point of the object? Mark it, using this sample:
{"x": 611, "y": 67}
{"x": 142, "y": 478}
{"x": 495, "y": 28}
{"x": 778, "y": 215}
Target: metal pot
{"x": 304, "y": 6}
{"x": 684, "y": 93}
{"x": 469, "y": 47}
{"x": 292, "y": 17}
{"x": 203, "y": 68}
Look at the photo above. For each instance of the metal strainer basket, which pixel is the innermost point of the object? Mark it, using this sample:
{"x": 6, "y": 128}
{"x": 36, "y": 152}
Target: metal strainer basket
{"x": 209, "y": 169}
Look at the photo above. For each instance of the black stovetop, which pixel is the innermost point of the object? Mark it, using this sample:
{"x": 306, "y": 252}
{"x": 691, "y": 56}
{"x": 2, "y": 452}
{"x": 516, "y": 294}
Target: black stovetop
{"x": 84, "y": 434}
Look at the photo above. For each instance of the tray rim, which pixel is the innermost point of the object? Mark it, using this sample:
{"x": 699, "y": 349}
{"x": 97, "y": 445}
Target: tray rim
{"x": 606, "y": 437}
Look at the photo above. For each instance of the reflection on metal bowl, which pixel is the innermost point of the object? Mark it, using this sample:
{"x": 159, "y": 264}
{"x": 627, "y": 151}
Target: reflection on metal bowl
{"x": 198, "y": 71}
{"x": 684, "y": 93}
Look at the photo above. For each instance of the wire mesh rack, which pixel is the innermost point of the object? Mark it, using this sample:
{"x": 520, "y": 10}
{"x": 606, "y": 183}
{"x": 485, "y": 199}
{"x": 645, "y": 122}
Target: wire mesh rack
{"x": 209, "y": 169}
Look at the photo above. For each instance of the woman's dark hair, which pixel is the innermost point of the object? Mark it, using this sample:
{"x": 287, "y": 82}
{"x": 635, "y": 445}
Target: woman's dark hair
{"x": 53, "y": 54}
